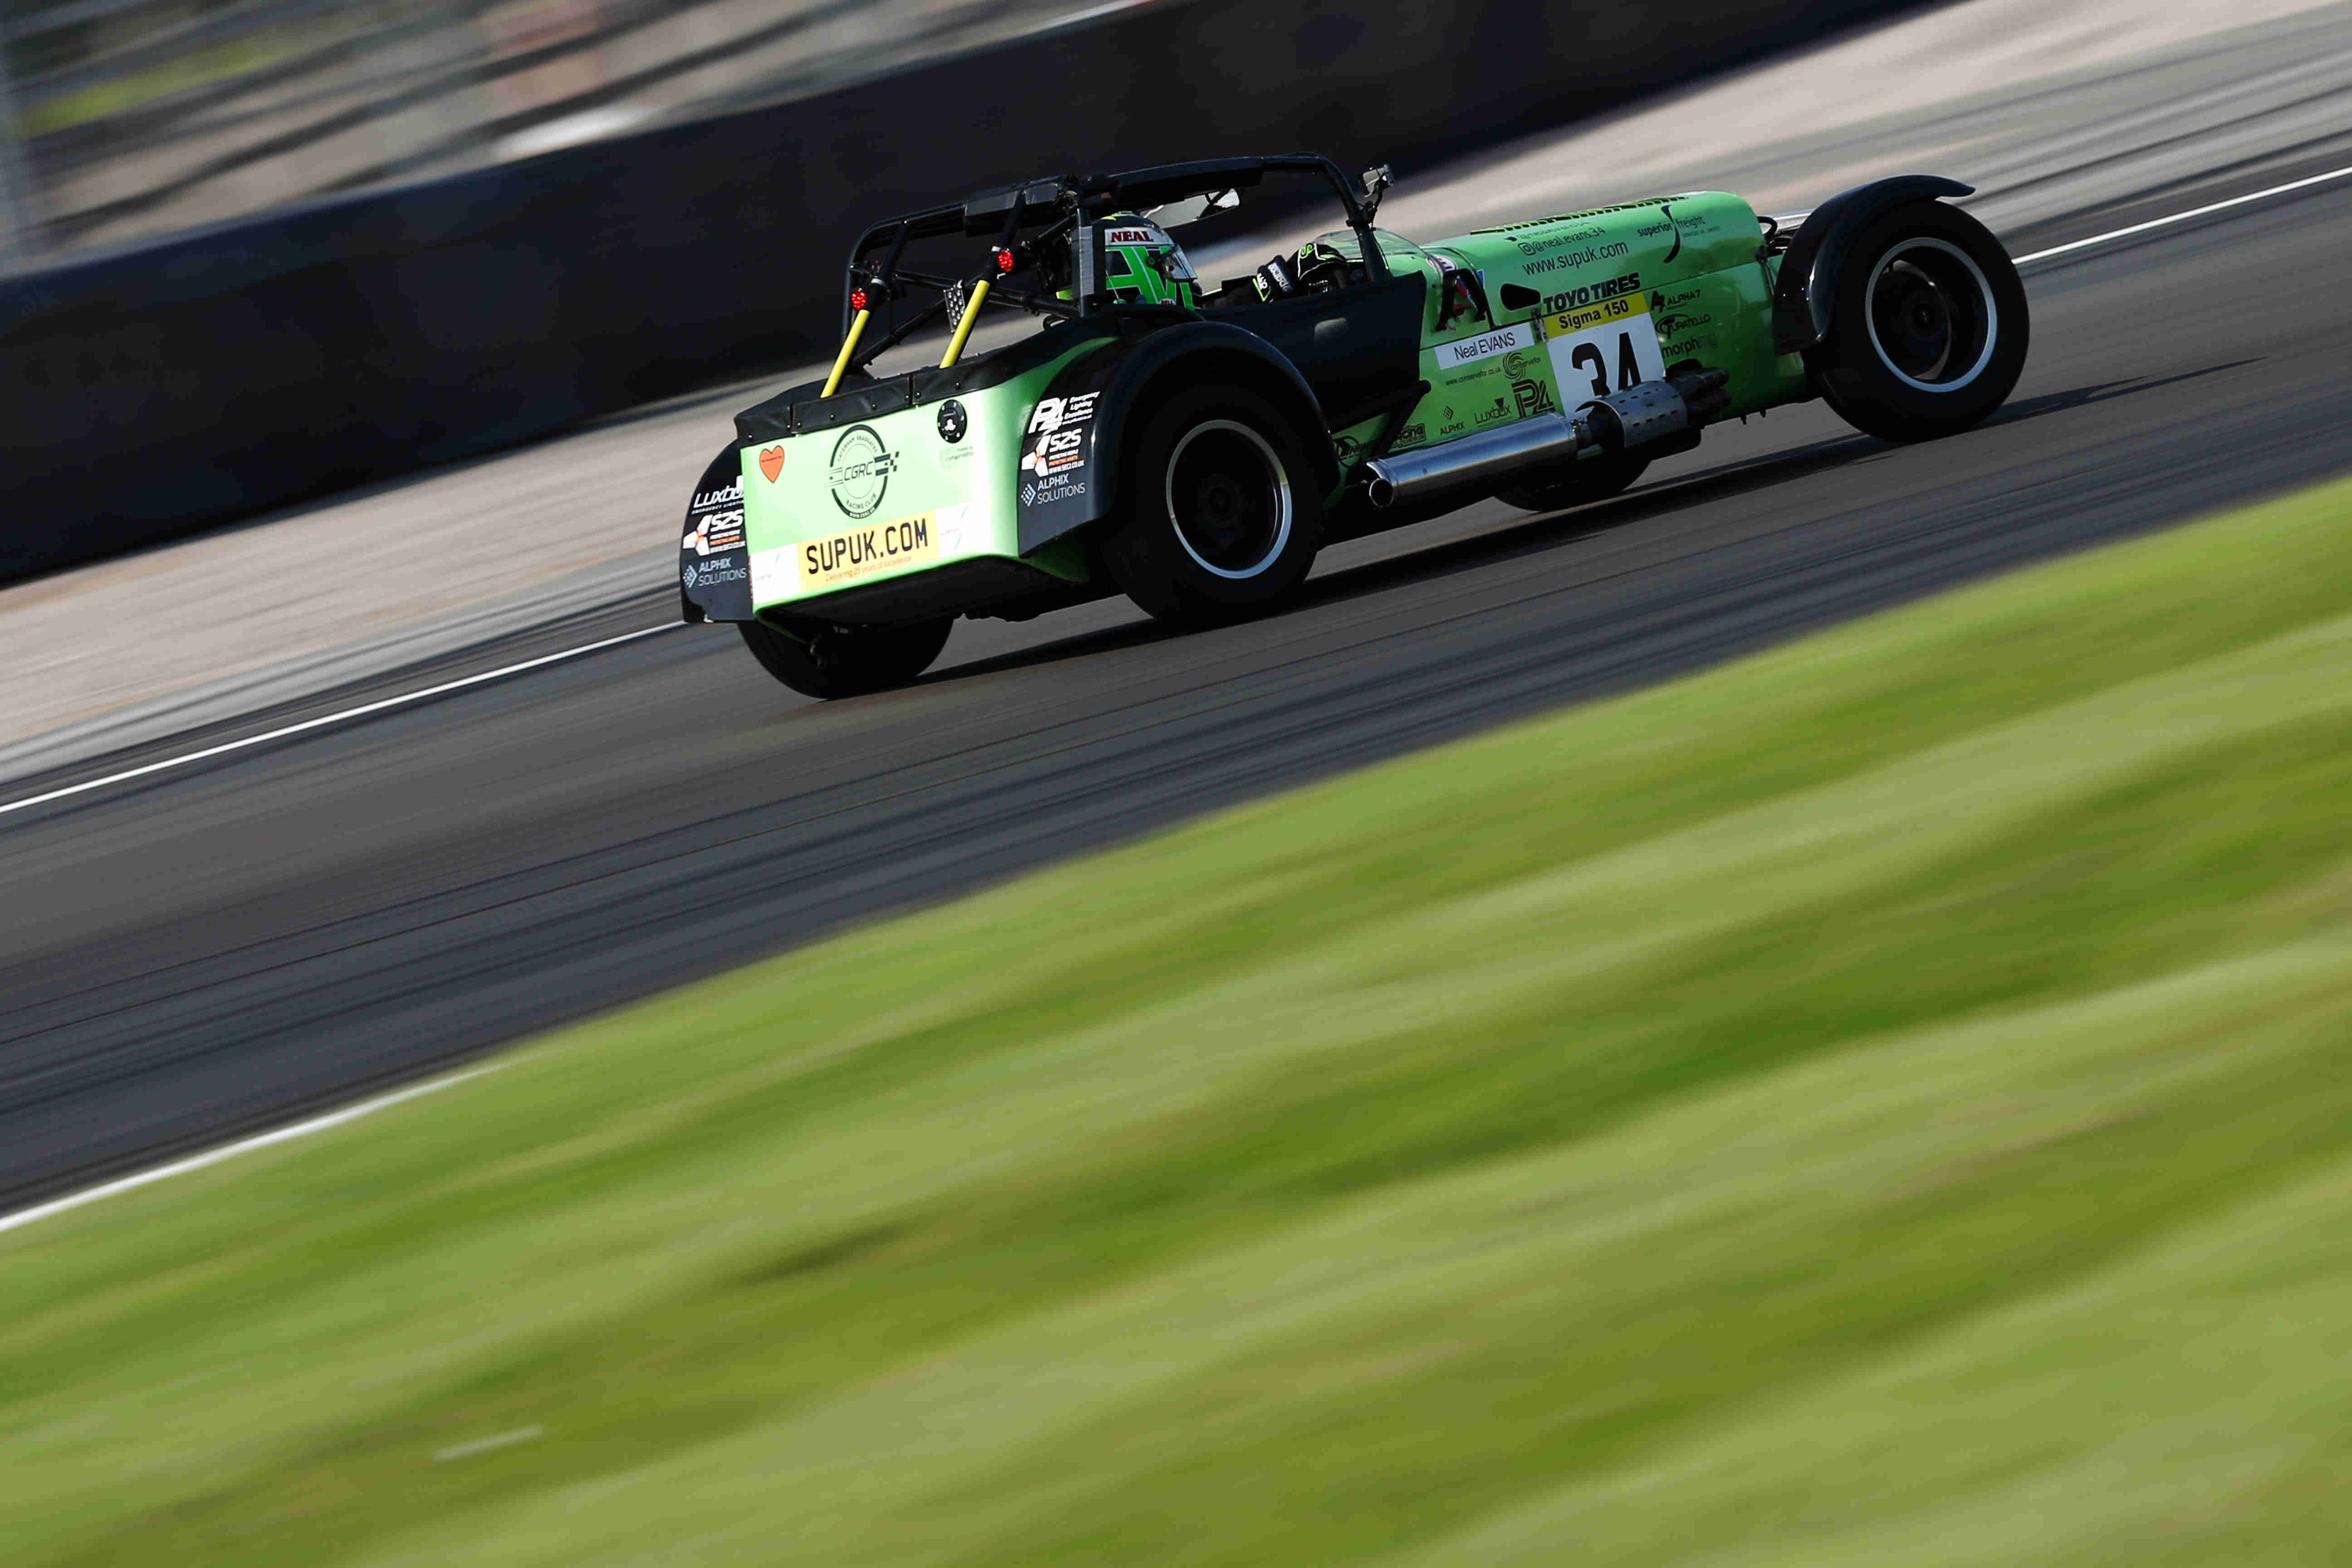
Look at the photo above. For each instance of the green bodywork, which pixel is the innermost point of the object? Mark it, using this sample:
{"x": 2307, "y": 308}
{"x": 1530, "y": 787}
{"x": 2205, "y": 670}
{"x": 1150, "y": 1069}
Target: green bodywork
{"x": 1581, "y": 304}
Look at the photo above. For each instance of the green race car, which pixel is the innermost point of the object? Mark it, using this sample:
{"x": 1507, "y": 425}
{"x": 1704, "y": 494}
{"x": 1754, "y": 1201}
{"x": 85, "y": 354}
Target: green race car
{"x": 1192, "y": 446}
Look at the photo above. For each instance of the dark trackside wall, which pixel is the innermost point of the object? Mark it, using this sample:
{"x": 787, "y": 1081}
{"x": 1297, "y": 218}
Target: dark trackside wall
{"x": 161, "y": 390}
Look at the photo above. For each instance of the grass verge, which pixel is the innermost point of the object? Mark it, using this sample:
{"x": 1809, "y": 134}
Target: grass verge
{"x": 1880, "y": 1101}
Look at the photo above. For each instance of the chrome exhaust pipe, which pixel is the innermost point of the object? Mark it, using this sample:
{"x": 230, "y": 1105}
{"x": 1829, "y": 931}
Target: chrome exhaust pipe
{"x": 1489, "y": 455}
{"x": 1643, "y": 414}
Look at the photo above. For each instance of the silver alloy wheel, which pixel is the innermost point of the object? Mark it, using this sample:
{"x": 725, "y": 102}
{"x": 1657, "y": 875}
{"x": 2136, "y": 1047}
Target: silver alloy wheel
{"x": 1942, "y": 292}
{"x": 1229, "y": 531}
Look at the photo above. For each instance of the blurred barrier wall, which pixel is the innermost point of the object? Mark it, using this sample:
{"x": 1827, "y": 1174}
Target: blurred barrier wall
{"x": 154, "y": 392}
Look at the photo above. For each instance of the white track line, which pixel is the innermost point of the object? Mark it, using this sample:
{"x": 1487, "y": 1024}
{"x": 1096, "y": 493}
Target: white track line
{"x": 324, "y": 719}
{"x": 2184, "y": 217}
{"x": 230, "y": 1150}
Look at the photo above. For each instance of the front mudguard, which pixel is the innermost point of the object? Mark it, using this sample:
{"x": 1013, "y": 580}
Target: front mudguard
{"x": 1068, "y": 483}
{"x": 1804, "y": 294}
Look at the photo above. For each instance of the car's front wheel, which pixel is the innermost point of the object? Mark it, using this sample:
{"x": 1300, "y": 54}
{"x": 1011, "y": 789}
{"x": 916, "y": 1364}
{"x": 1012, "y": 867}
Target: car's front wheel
{"x": 1928, "y": 330}
{"x": 818, "y": 659}
{"x": 1220, "y": 516}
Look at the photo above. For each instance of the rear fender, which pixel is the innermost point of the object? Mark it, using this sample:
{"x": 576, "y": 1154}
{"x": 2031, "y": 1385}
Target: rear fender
{"x": 1099, "y": 399}
{"x": 714, "y": 570}
{"x": 1805, "y": 293}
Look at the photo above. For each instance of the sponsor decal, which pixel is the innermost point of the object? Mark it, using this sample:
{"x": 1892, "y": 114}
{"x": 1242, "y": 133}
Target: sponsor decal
{"x": 1053, "y": 488}
{"x": 1691, "y": 347}
{"x": 713, "y": 573}
{"x": 1475, "y": 373}
{"x": 731, "y": 495}
{"x": 1587, "y": 211}
{"x": 1058, "y": 452}
{"x": 860, "y": 472}
{"x": 1499, "y": 410}
{"x": 716, "y": 533}
{"x": 1532, "y": 397}
{"x": 1583, "y": 318}
{"x": 1518, "y": 364}
{"x": 1669, "y": 224}
{"x": 1591, "y": 293}
{"x": 1559, "y": 241}
{"x": 771, "y": 462}
{"x": 950, "y": 521}
{"x": 1604, "y": 347}
{"x": 1576, "y": 258}
{"x": 1411, "y": 435}
{"x": 1053, "y": 413}
{"x": 1055, "y": 459}
{"x": 1670, "y": 312}
{"x": 1464, "y": 350}
{"x": 953, "y": 421}
{"x": 858, "y": 552}
{"x": 1131, "y": 236}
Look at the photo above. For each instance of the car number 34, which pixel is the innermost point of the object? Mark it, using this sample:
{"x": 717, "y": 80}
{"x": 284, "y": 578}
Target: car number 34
{"x": 1605, "y": 347}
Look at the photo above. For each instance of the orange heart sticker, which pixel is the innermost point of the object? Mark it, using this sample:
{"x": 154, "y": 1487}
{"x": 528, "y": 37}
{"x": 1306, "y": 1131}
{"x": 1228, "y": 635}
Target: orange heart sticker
{"x": 771, "y": 463}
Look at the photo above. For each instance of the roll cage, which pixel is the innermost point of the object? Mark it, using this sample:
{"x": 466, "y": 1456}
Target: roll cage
{"x": 1037, "y": 227}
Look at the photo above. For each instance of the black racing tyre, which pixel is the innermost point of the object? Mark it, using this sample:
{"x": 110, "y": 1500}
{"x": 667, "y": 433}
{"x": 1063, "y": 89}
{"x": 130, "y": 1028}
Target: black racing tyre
{"x": 1929, "y": 333}
{"x": 818, "y": 659}
{"x": 1557, "y": 490}
{"x": 1220, "y": 513}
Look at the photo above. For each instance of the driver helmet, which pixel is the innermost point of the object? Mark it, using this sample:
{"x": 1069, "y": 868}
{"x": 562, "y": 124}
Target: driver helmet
{"x": 1143, "y": 266}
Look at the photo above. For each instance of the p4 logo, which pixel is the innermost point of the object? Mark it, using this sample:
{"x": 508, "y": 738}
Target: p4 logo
{"x": 1055, "y": 413}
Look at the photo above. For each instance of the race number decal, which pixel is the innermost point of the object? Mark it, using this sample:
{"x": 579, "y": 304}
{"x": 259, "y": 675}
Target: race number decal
{"x": 1603, "y": 348}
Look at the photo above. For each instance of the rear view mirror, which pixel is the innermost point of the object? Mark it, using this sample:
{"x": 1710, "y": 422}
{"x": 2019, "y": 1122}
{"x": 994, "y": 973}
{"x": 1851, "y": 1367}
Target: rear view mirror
{"x": 1193, "y": 207}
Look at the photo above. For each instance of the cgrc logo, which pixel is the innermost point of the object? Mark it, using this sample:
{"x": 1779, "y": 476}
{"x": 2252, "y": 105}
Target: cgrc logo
{"x": 861, "y": 471}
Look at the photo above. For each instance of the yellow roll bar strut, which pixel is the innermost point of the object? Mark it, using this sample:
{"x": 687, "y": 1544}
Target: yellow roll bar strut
{"x": 963, "y": 327}
{"x": 848, "y": 347}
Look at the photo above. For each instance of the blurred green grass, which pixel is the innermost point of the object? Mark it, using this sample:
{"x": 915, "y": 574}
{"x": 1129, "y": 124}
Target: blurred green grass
{"x": 1883, "y": 1100}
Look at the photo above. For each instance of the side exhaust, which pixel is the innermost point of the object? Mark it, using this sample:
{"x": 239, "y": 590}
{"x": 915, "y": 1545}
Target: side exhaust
{"x": 1664, "y": 416}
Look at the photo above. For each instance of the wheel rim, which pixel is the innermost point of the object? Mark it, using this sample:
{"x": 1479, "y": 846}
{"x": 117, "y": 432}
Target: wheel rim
{"x": 1229, "y": 499}
{"x": 1932, "y": 319}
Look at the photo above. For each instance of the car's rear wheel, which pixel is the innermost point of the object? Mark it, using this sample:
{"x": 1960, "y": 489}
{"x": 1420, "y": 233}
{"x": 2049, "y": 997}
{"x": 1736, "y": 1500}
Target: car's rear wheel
{"x": 1556, "y": 490}
{"x": 1929, "y": 332}
{"x": 1219, "y": 516}
{"x": 819, "y": 659}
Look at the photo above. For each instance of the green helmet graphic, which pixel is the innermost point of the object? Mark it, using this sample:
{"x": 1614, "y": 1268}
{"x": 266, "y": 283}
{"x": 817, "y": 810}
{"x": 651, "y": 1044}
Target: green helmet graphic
{"x": 1142, "y": 265}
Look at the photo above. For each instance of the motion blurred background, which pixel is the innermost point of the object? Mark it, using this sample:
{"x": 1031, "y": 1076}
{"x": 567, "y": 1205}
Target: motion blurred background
{"x": 129, "y": 119}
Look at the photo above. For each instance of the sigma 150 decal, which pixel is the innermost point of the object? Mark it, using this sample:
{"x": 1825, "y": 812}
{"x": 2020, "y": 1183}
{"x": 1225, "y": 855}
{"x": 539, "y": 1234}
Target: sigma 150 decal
{"x": 1603, "y": 348}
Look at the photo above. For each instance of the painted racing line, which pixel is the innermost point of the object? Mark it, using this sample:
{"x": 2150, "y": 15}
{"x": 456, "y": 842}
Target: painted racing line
{"x": 353, "y": 1112}
{"x": 242, "y": 1146}
{"x": 364, "y": 710}
{"x": 324, "y": 719}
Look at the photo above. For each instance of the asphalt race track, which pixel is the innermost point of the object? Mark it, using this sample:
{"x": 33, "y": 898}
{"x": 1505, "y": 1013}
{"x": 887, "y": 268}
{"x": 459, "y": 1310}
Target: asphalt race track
{"x": 212, "y": 949}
